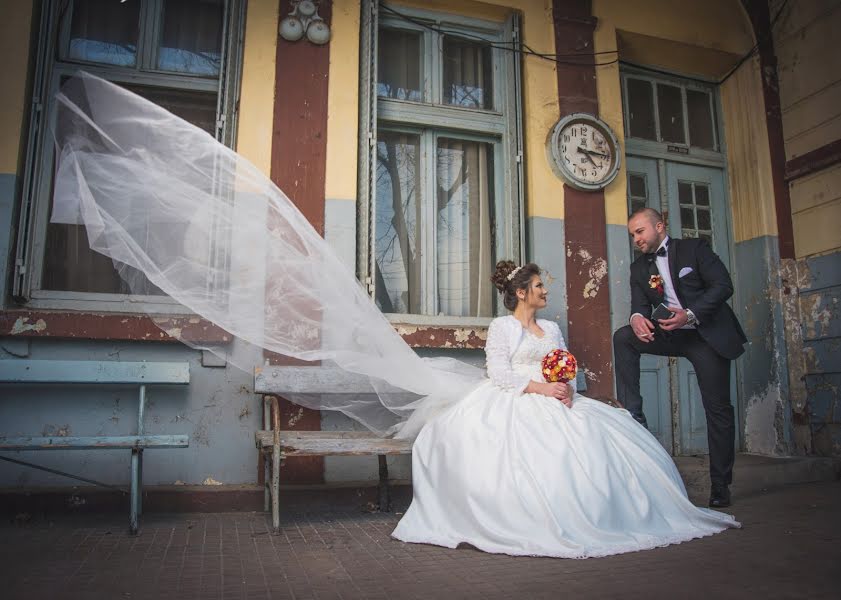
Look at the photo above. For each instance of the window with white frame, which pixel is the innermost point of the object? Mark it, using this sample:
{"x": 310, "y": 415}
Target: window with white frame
{"x": 666, "y": 111}
{"x": 443, "y": 199}
{"x": 181, "y": 54}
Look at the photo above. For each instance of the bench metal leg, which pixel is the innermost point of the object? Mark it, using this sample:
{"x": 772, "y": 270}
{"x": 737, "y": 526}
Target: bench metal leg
{"x": 385, "y": 495}
{"x": 137, "y": 467}
{"x": 139, "y": 483}
{"x": 135, "y": 491}
{"x": 267, "y": 472}
{"x": 276, "y": 465}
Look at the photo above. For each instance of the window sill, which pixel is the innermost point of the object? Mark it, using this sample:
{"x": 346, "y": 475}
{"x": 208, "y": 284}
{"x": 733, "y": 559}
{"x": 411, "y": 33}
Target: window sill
{"x": 103, "y": 326}
{"x": 416, "y": 331}
{"x": 420, "y": 331}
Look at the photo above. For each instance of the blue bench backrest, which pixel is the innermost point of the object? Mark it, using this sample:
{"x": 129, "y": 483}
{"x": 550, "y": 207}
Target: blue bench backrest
{"x": 84, "y": 371}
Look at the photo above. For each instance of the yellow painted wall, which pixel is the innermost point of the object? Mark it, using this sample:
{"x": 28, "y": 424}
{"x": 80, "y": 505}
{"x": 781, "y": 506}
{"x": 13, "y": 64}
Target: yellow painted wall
{"x": 816, "y": 212}
{"x": 15, "y": 27}
{"x": 256, "y": 113}
{"x": 809, "y": 68}
{"x": 748, "y": 155}
{"x": 544, "y": 190}
{"x": 343, "y": 102}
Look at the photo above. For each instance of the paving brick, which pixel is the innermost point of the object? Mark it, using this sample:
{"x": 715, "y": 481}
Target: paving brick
{"x": 790, "y": 547}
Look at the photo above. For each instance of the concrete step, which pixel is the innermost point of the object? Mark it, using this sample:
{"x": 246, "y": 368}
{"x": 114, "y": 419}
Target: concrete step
{"x": 753, "y": 473}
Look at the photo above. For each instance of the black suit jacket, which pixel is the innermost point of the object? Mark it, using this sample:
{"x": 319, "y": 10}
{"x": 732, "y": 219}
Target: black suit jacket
{"x": 704, "y": 290}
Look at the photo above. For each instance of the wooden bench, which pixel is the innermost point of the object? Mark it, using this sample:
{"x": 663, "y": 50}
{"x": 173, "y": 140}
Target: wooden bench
{"x": 62, "y": 372}
{"x": 277, "y": 444}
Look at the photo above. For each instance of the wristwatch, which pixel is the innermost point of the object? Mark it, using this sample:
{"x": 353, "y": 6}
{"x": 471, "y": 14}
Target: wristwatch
{"x": 691, "y": 319}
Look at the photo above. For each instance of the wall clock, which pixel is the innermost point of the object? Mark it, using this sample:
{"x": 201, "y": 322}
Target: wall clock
{"x": 584, "y": 151}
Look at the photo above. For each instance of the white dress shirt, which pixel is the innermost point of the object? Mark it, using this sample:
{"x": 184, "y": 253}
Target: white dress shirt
{"x": 669, "y": 294}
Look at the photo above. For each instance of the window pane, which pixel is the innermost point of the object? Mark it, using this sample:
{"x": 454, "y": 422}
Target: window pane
{"x": 684, "y": 192}
{"x": 700, "y": 119}
{"x": 704, "y": 221}
{"x": 687, "y": 218}
{"x": 465, "y": 234}
{"x": 702, "y": 195}
{"x": 105, "y": 31}
{"x": 468, "y": 74}
{"x": 191, "y": 40}
{"x": 398, "y": 65}
{"x": 69, "y": 263}
{"x": 636, "y": 183}
{"x": 670, "y": 109}
{"x": 397, "y": 223}
{"x": 641, "y": 109}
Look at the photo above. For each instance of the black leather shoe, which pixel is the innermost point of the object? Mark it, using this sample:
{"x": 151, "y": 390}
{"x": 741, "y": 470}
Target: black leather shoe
{"x": 719, "y": 496}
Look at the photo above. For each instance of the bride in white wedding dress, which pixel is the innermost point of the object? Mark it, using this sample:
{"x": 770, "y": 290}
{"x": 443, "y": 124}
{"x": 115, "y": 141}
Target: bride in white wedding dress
{"x": 524, "y": 467}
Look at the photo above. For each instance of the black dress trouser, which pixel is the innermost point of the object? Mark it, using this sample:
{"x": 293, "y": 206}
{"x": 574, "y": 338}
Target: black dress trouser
{"x": 713, "y": 373}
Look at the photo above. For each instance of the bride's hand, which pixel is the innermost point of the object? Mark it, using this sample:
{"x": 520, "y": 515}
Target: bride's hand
{"x": 558, "y": 390}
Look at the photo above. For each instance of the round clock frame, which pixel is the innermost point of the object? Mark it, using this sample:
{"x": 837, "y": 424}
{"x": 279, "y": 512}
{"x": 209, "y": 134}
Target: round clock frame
{"x": 570, "y": 170}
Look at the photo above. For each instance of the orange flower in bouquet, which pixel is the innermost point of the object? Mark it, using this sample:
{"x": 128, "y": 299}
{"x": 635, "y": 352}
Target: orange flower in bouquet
{"x": 559, "y": 365}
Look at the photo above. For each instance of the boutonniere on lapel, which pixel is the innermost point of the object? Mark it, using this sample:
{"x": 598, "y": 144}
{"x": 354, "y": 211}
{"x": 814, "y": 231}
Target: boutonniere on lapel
{"x": 655, "y": 282}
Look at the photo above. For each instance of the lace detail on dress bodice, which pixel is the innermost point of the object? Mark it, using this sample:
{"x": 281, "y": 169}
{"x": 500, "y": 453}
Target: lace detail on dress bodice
{"x": 528, "y": 355}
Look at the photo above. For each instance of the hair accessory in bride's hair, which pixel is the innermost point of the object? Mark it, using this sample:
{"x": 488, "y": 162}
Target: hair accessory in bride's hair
{"x": 510, "y": 276}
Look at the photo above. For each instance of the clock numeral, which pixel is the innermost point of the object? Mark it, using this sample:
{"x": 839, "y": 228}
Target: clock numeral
{"x": 583, "y": 130}
{"x": 574, "y": 132}
{"x": 566, "y": 138}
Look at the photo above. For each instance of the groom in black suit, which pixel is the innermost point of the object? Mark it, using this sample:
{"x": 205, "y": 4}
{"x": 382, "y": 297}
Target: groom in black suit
{"x": 690, "y": 279}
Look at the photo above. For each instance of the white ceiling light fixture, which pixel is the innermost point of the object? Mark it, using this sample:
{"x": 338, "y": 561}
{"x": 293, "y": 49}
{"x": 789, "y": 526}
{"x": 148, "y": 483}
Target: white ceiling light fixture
{"x": 304, "y": 19}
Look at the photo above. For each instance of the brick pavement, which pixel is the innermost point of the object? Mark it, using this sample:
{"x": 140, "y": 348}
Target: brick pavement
{"x": 790, "y": 547}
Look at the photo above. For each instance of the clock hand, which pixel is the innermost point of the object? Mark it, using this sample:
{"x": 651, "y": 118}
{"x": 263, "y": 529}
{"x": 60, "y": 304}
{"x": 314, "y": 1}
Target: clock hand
{"x": 588, "y": 157}
{"x": 582, "y": 149}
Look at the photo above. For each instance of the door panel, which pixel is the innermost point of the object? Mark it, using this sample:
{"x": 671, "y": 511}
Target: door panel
{"x": 644, "y": 190}
{"x": 697, "y": 208}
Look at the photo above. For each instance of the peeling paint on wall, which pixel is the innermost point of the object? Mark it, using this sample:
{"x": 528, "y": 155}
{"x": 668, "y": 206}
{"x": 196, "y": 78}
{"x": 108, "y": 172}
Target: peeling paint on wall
{"x": 22, "y": 325}
{"x": 760, "y": 417}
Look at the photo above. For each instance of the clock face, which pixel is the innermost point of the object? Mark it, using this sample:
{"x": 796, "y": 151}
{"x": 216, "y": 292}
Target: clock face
{"x": 584, "y": 150}
{"x": 586, "y": 153}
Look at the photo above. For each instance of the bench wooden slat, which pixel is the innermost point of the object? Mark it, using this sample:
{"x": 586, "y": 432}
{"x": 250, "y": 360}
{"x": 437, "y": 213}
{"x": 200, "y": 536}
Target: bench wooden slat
{"x": 82, "y": 371}
{"x": 128, "y": 442}
{"x": 309, "y": 380}
{"x": 333, "y": 443}
{"x": 327, "y": 380}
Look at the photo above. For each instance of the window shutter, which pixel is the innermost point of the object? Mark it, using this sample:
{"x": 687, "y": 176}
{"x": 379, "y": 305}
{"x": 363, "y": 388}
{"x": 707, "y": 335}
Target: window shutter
{"x": 367, "y": 169}
{"x": 227, "y": 103}
{"x": 515, "y": 135}
{"x": 38, "y": 137}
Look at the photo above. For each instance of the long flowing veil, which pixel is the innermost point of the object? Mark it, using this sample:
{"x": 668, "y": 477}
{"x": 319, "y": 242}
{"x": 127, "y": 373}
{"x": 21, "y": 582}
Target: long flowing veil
{"x": 172, "y": 206}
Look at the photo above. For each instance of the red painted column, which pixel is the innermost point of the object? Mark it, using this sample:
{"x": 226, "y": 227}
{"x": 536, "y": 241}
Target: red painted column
{"x": 585, "y": 222}
{"x": 298, "y": 165}
{"x": 760, "y": 19}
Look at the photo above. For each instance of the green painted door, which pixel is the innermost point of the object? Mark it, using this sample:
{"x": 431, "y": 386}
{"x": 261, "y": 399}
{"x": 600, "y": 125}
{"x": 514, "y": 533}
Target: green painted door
{"x": 697, "y": 207}
{"x": 644, "y": 190}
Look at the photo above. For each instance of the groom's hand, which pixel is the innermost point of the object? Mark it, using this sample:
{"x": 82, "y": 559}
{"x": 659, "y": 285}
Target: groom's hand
{"x": 643, "y": 328}
{"x": 677, "y": 321}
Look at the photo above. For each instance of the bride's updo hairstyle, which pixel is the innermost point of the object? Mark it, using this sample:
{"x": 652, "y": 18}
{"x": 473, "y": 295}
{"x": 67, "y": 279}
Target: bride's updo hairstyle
{"x": 508, "y": 278}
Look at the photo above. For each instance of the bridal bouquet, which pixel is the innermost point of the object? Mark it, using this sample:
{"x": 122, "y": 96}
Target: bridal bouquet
{"x": 559, "y": 365}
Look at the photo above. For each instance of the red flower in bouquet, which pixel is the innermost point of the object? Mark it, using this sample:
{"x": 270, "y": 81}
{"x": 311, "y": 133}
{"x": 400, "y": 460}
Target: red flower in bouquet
{"x": 655, "y": 282}
{"x": 559, "y": 365}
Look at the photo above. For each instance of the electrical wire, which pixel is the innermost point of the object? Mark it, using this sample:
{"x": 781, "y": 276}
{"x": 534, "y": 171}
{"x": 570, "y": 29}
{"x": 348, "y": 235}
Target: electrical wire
{"x": 556, "y": 58}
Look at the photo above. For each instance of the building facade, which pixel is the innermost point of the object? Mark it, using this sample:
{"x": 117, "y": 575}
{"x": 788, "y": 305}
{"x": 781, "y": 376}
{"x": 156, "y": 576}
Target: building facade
{"x": 417, "y": 141}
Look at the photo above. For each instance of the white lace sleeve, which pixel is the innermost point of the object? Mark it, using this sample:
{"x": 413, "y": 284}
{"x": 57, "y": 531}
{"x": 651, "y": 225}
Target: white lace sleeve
{"x": 499, "y": 364}
{"x": 559, "y": 337}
